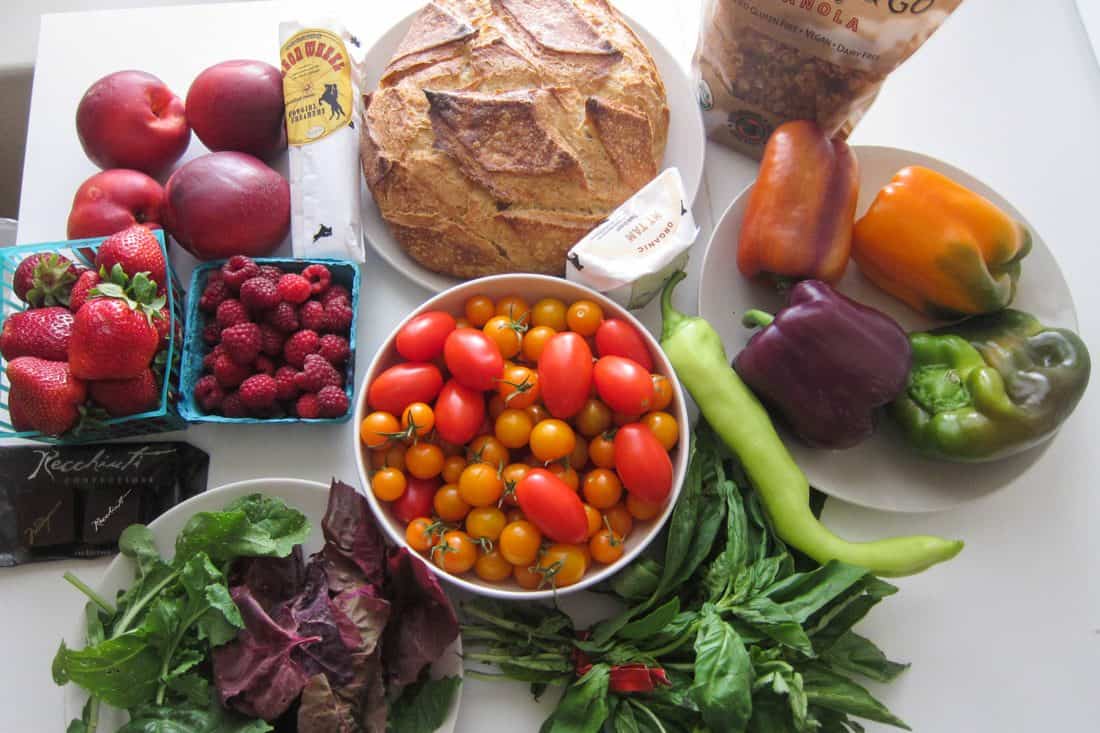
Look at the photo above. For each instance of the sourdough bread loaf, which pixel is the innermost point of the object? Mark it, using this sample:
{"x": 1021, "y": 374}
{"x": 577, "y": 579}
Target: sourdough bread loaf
{"x": 502, "y": 131}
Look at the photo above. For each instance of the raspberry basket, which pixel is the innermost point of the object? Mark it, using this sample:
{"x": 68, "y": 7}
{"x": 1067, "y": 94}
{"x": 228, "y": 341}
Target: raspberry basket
{"x": 344, "y": 273}
{"x": 164, "y": 418}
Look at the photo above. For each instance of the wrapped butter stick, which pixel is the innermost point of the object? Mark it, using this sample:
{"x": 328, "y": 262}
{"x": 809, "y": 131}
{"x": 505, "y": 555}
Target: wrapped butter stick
{"x": 629, "y": 256}
{"x": 320, "y": 90}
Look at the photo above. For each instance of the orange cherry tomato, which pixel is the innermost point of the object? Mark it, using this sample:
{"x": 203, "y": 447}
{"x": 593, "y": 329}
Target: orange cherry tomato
{"x": 478, "y": 310}
{"x": 376, "y": 428}
{"x": 593, "y": 419}
{"x": 506, "y": 334}
{"x": 602, "y": 488}
{"x": 527, "y": 578}
{"x": 552, "y": 439}
{"x": 513, "y": 428}
{"x": 584, "y": 317}
{"x": 448, "y": 504}
{"x": 643, "y": 509}
{"x": 549, "y": 312}
{"x": 424, "y": 460}
{"x": 388, "y": 484}
{"x": 491, "y": 566}
{"x": 392, "y": 456}
{"x": 538, "y": 413}
{"x": 664, "y": 428}
{"x": 519, "y": 543}
{"x": 601, "y": 451}
{"x": 480, "y": 485}
{"x": 515, "y": 308}
{"x": 487, "y": 449}
{"x": 662, "y": 391}
{"x": 419, "y": 534}
{"x": 485, "y": 522}
{"x": 562, "y": 565}
{"x": 534, "y": 341}
{"x": 418, "y": 419}
{"x": 456, "y": 552}
{"x": 452, "y": 469}
{"x": 595, "y": 519}
{"x": 519, "y": 386}
{"x": 606, "y": 547}
{"x": 567, "y": 474}
{"x": 578, "y": 459}
{"x": 619, "y": 519}
{"x": 515, "y": 514}
{"x": 463, "y": 322}
{"x": 496, "y": 406}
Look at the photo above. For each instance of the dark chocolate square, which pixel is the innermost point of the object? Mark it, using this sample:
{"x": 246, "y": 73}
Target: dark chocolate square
{"x": 108, "y": 510}
{"x": 47, "y": 517}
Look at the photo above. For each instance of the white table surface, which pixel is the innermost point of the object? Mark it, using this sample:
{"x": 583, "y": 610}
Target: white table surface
{"x": 1004, "y": 638}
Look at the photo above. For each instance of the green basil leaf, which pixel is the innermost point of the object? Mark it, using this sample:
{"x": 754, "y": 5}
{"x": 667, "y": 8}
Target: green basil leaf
{"x": 803, "y": 594}
{"x": 211, "y": 718}
{"x": 722, "y": 687}
{"x": 856, "y": 654}
{"x": 651, "y": 623}
{"x": 770, "y": 714}
{"x": 842, "y": 615}
{"x": 836, "y": 692}
{"x": 622, "y": 719}
{"x": 423, "y": 706}
{"x": 583, "y": 708}
{"x": 775, "y": 622}
{"x": 637, "y": 581}
{"x": 193, "y": 688}
{"x": 831, "y": 721}
{"x": 122, "y": 672}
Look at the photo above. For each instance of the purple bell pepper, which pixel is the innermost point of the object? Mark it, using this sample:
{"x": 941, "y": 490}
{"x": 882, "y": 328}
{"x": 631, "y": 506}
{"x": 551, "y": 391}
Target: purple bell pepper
{"x": 825, "y": 363}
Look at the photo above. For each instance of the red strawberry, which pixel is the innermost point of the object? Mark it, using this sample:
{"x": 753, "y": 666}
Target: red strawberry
{"x": 259, "y": 294}
{"x": 311, "y": 314}
{"x": 285, "y": 388}
{"x": 79, "y": 294}
{"x": 208, "y": 393}
{"x": 113, "y": 333}
{"x": 44, "y": 279}
{"x": 258, "y": 392}
{"x": 41, "y": 332}
{"x": 332, "y": 401}
{"x": 231, "y": 312}
{"x": 44, "y": 396}
{"x": 338, "y": 316}
{"x": 317, "y": 373}
{"x": 238, "y": 269}
{"x": 334, "y": 348}
{"x": 137, "y": 250}
{"x": 232, "y": 406}
{"x": 319, "y": 278}
{"x": 334, "y": 292}
{"x": 213, "y": 294}
{"x": 271, "y": 272}
{"x": 120, "y": 397}
{"x": 307, "y": 407}
{"x": 298, "y": 346}
{"x": 228, "y": 372}
{"x": 242, "y": 342}
{"x": 284, "y": 317}
{"x": 293, "y": 288}
{"x": 162, "y": 324}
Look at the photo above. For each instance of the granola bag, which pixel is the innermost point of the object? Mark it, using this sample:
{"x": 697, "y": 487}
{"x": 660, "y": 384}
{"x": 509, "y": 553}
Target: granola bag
{"x": 760, "y": 63}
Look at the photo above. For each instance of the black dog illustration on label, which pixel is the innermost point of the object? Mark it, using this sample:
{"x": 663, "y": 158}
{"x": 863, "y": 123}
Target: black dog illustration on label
{"x": 331, "y": 97}
{"x": 324, "y": 231}
{"x": 576, "y": 260}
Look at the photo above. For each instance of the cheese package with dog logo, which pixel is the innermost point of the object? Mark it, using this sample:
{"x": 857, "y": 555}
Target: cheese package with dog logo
{"x": 320, "y": 63}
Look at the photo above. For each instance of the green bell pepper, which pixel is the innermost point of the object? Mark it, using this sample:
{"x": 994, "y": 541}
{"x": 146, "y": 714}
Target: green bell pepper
{"x": 990, "y": 386}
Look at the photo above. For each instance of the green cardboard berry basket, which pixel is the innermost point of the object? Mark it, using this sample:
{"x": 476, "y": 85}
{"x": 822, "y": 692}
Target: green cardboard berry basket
{"x": 164, "y": 417}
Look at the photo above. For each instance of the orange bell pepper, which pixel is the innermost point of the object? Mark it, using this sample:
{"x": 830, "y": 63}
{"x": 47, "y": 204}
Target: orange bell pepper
{"x": 798, "y": 223}
{"x": 940, "y": 247}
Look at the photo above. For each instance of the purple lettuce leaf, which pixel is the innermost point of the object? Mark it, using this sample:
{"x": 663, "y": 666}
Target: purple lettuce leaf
{"x": 313, "y": 614}
{"x": 321, "y": 711}
{"x": 351, "y": 532}
{"x": 368, "y": 613}
{"x": 271, "y": 580}
{"x": 422, "y": 620}
{"x": 256, "y": 674}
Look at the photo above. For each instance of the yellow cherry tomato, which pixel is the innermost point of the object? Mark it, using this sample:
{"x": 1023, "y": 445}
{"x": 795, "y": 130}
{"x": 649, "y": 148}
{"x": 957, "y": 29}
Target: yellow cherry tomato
{"x": 567, "y": 474}
{"x": 491, "y": 566}
{"x": 664, "y": 428}
{"x": 478, "y": 310}
{"x": 512, "y": 474}
{"x": 424, "y": 460}
{"x": 642, "y": 509}
{"x": 419, "y": 534}
{"x": 606, "y": 547}
{"x": 519, "y": 386}
{"x": 594, "y": 418}
{"x": 456, "y": 552}
{"x": 519, "y": 543}
{"x": 549, "y": 312}
{"x": 552, "y": 439}
{"x": 602, "y": 488}
{"x": 420, "y": 415}
{"x": 619, "y": 519}
{"x": 388, "y": 484}
{"x": 392, "y": 456}
{"x": 485, "y": 522}
{"x": 595, "y": 519}
{"x": 452, "y": 469}
{"x": 662, "y": 391}
{"x": 601, "y": 451}
{"x": 584, "y": 317}
{"x": 487, "y": 449}
{"x": 376, "y": 428}
{"x": 562, "y": 565}
{"x": 527, "y": 578}
{"x": 513, "y": 428}
{"x": 506, "y": 334}
{"x": 534, "y": 341}
{"x": 480, "y": 484}
{"x": 515, "y": 308}
{"x": 448, "y": 504}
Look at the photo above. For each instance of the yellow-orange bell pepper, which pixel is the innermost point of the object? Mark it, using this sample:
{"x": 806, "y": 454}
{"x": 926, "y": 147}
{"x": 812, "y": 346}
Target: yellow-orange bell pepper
{"x": 798, "y": 222}
{"x": 940, "y": 247}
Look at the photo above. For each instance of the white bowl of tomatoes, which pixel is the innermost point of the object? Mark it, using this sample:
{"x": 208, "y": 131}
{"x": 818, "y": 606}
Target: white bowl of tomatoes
{"x": 524, "y": 434}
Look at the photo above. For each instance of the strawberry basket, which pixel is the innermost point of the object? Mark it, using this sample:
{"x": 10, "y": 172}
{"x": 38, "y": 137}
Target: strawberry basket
{"x": 164, "y": 417}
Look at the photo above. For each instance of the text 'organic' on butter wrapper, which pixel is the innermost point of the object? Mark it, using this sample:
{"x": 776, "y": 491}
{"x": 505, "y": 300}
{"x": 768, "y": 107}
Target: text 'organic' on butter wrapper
{"x": 633, "y": 252}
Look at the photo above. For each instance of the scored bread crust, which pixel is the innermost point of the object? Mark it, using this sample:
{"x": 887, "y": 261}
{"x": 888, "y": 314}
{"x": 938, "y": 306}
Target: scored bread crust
{"x": 502, "y": 131}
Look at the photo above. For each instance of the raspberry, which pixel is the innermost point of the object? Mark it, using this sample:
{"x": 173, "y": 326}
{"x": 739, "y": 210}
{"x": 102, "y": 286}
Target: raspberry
{"x": 317, "y": 373}
{"x": 338, "y": 316}
{"x": 308, "y": 407}
{"x": 285, "y": 387}
{"x": 208, "y": 360}
{"x": 293, "y": 288}
{"x": 271, "y": 272}
{"x": 233, "y": 407}
{"x": 242, "y": 342}
{"x": 271, "y": 340}
{"x": 334, "y": 292}
{"x": 228, "y": 372}
{"x": 231, "y": 312}
{"x": 319, "y": 278}
{"x": 257, "y": 392}
{"x": 311, "y": 315}
{"x": 334, "y": 348}
{"x": 259, "y": 294}
{"x": 238, "y": 269}
{"x": 264, "y": 365}
{"x": 268, "y": 413}
{"x": 215, "y": 292}
{"x": 284, "y": 317}
{"x": 211, "y": 334}
{"x": 332, "y": 401}
{"x": 208, "y": 393}
{"x": 298, "y": 346}
{"x": 214, "y": 276}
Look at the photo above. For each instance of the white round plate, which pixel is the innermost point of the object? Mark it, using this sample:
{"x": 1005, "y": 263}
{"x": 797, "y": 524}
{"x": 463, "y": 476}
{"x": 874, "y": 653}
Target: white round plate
{"x": 685, "y": 149}
{"x": 882, "y": 472}
{"x": 309, "y": 497}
